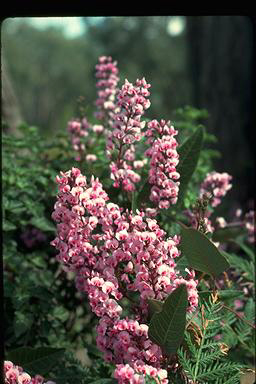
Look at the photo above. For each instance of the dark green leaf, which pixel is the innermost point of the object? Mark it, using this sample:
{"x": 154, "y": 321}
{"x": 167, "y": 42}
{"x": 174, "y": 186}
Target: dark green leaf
{"x": 250, "y": 252}
{"x": 22, "y": 323}
{"x": 166, "y": 328}
{"x": 230, "y": 294}
{"x": 201, "y": 253}
{"x": 189, "y": 153}
{"x": 36, "y": 361}
{"x": 224, "y": 234}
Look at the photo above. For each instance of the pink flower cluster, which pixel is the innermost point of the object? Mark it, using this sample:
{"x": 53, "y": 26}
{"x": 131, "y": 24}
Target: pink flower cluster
{"x": 212, "y": 189}
{"x": 249, "y": 220}
{"x": 164, "y": 159}
{"x": 218, "y": 184}
{"x": 127, "y": 125}
{"x": 126, "y": 340}
{"x": 14, "y": 374}
{"x": 107, "y": 75}
{"x": 113, "y": 254}
{"x": 78, "y": 129}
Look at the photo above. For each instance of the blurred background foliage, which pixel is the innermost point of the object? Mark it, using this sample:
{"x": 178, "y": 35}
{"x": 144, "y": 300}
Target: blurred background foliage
{"x": 203, "y": 61}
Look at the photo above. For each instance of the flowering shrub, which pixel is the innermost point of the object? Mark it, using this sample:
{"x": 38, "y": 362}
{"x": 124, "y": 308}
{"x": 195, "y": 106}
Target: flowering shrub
{"x": 165, "y": 285}
{"x": 13, "y": 374}
{"x": 129, "y": 254}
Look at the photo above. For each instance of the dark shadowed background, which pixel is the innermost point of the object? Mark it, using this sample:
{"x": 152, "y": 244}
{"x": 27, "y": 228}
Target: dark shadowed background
{"x": 203, "y": 61}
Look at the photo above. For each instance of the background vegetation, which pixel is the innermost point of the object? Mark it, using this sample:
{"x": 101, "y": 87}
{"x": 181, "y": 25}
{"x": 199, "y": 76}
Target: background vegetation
{"x": 209, "y": 64}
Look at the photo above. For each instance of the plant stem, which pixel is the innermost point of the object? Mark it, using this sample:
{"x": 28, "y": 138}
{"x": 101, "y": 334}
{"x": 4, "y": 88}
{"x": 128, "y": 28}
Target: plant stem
{"x": 199, "y": 355}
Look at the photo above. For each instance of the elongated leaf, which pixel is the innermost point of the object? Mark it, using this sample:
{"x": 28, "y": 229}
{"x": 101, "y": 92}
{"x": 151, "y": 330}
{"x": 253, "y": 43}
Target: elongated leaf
{"x": 249, "y": 251}
{"x": 43, "y": 224}
{"x": 166, "y": 328}
{"x": 224, "y": 234}
{"x": 201, "y": 252}
{"x": 36, "y": 361}
{"x": 189, "y": 153}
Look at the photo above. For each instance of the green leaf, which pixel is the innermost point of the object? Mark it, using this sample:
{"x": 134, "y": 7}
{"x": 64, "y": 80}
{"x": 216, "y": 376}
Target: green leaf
{"x": 249, "y": 252}
{"x": 43, "y": 224}
{"x": 189, "y": 153}
{"x": 167, "y": 327}
{"x": 8, "y": 226}
{"x": 224, "y": 234}
{"x": 36, "y": 361}
{"x": 23, "y": 323}
{"x": 61, "y": 313}
{"x": 201, "y": 252}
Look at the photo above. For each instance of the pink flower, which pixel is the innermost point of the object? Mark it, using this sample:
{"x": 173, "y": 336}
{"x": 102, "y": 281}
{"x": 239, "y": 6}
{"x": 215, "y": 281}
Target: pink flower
{"x": 7, "y": 365}
{"x": 218, "y": 184}
{"x": 78, "y": 129}
{"x": 97, "y": 128}
{"x": 107, "y": 75}
{"x": 126, "y": 130}
{"x": 91, "y": 157}
{"x": 12, "y": 375}
{"x": 164, "y": 159}
{"x": 249, "y": 222}
{"x": 24, "y": 378}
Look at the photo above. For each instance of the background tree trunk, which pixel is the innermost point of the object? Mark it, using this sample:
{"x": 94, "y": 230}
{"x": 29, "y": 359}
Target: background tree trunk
{"x": 221, "y": 62}
{"x": 11, "y": 116}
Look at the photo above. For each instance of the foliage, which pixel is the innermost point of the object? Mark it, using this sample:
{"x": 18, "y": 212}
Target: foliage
{"x": 38, "y": 301}
{"x": 171, "y": 317}
{"x": 202, "y": 357}
{"x": 47, "y": 320}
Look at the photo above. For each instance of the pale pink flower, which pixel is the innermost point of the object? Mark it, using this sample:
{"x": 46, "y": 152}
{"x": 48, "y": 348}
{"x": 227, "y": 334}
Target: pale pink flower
{"x": 217, "y": 184}
{"x": 107, "y": 75}
{"x": 90, "y": 157}
{"x": 163, "y": 161}
{"x": 127, "y": 130}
